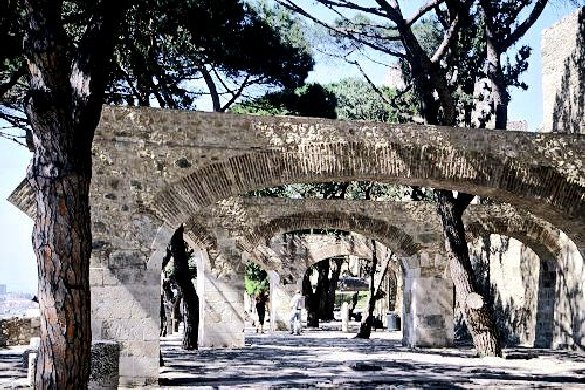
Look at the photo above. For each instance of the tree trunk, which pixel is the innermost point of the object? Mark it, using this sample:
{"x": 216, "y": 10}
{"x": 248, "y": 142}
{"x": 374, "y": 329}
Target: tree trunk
{"x": 62, "y": 242}
{"x": 499, "y": 92}
{"x": 168, "y": 303}
{"x": 215, "y": 104}
{"x": 322, "y": 289}
{"x": 366, "y": 327}
{"x": 63, "y": 105}
{"x": 177, "y": 311}
{"x": 330, "y": 308}
{"x": 477, "y": 313}
{"x": 310, "y": 301}
{"x": 182, "y": 274}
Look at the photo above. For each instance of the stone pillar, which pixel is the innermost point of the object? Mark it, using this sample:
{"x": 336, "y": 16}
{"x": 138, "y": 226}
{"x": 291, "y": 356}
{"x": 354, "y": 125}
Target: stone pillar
{"x": 428, "y": 309}
{"x": 125, "y": 302}
{"x": 280, "y": 297}
{"x": 221, "y": 305}
{"x": 345, "y": 317}
{"x": 545, "y": 315}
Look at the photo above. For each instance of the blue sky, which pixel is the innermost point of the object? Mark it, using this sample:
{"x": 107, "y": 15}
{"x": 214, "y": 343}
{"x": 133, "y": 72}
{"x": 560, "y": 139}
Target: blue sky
{"x": 17, "y": 261}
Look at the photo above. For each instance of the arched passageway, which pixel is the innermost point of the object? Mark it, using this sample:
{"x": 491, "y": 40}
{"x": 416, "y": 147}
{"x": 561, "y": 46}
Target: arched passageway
{"x": 154, "y": 169}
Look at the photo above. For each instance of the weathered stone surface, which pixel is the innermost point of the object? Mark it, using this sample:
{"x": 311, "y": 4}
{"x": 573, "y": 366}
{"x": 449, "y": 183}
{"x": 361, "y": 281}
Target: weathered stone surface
{"x": 155, "y": 168}
{"x": 563, "y": 90}
{"x": 428, "y": 311}
{"x": 18, "y": 331}
{"x": 105, "y": 365}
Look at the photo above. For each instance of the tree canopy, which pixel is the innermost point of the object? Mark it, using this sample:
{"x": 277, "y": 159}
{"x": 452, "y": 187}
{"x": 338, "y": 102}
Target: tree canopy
{"x": 168, "y": 52}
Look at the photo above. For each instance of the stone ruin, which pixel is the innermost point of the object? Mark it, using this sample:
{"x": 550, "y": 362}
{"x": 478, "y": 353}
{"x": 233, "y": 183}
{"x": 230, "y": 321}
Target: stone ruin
{"x": 155, "y": 169}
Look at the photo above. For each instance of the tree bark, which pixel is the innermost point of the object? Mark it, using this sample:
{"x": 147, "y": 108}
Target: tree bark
{"x": 475, "y": 308}
{"x": 310, "y": 301}
{"x": 63, "y": 106}
{"x": 330, "y": 308}
{"x": 62, "y": 242}
{"x": 182, "y": 274}
{"x": 499, "y": 92}
{"x": 366, "y": 327}
{"x": 322, "y": 289}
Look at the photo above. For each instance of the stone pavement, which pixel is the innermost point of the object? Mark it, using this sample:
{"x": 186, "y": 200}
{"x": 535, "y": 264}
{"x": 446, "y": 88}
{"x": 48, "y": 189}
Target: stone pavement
{"x": 320, "y": 359}
{"x": 323, "y": 359}
{"x": 12, "y": 372}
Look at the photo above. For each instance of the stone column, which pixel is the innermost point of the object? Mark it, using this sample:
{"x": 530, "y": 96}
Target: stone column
{"x": 125, "y": 280}
{"x": 545, "y": 311}
{"x": 221, "y": 304}
{"x": 280, "y": 297}
{"x": 428, "y": 309}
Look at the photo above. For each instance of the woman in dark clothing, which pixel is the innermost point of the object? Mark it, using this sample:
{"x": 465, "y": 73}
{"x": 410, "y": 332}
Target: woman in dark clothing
{"x": 261, "y": 300}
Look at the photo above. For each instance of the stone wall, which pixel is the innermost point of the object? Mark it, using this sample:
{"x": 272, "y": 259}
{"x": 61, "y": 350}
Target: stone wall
{"x": 18, "y": 331}
{"x": 563, "y": 79}
{"x": 538, "y": 294}
{"x": 514, "y": 272}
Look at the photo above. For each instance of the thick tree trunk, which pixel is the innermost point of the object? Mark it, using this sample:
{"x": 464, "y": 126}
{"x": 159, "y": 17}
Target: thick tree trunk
{"x": 190, "y": 299}
{"x": 476, "y": 310}
{"x": 190, "y": 318}
{"x": 366, "y": 327}
{"x": 62, "y": 242}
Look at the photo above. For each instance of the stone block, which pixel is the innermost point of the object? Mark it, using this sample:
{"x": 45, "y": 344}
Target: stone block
{"x": 105, "y": 365}
{"x": 31, "y": 371}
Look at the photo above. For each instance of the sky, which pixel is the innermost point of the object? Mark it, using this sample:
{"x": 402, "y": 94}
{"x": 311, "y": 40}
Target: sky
{"x": 17, "y": 261}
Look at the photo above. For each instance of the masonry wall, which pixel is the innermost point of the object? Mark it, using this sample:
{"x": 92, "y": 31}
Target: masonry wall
{"x": 514, "y": 274}
{"x": 18, "y": 331}
{"x": 538, "y": 298}
{"x": 563, "y": 81}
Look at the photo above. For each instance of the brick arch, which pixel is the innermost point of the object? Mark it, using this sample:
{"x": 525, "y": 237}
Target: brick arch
{"x": 382, "y": 231}
{"x": 540, "y": 189}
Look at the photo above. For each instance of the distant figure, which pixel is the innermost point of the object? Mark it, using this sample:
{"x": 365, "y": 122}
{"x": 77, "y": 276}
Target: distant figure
{"x": 295, "y": 315}
{"x": 35, "y": 299}
{"x": 261, "y": 300}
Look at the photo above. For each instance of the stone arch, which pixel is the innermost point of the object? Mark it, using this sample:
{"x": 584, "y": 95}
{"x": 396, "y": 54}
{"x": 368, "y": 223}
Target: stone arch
{"x": 538, "y": 235}
{"x": 339, "y": 249}
{"x": 557, "y": 289}
{"x": 382, "y": 231}
{"x": 488, "y": 174}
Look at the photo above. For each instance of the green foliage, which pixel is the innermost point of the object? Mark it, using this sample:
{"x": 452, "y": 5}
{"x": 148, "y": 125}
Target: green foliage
{"x": 165, "y": 48}
{"x": 162, "y": 52}
{"x": 357, "y": 99}
{"x": 311, "y": 100}
{"x": 256, "y": 279}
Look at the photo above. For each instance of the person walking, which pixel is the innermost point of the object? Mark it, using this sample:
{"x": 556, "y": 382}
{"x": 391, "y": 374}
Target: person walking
{"x": 295, "y": 304}
{"x": 261, "y": 300}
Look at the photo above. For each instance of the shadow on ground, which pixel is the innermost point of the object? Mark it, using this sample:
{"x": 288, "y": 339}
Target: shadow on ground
{"x": 312, "y": 360}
